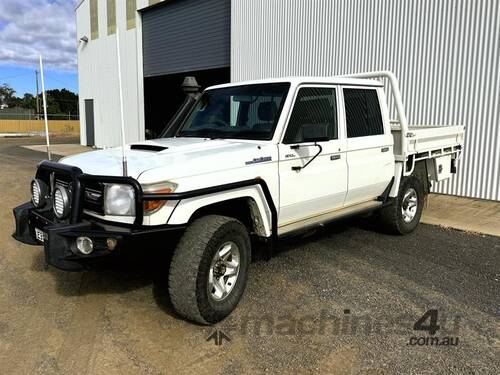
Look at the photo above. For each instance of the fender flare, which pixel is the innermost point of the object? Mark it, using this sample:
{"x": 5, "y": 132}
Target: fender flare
{"x": 256, "y": 190}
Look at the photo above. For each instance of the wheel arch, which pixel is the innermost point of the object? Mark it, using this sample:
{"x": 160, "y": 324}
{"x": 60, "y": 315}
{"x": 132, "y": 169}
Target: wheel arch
{"x": 419, "y": 172}
{"x": 248, "y": 204}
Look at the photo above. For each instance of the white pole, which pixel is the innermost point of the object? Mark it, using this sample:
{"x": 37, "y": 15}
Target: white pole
{"x": 124, "y": 157}
{"x": 45, "y": 109}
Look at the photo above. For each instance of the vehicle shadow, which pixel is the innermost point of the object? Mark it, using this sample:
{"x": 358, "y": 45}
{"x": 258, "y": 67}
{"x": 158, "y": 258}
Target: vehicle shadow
{"x": 120, "y": 274}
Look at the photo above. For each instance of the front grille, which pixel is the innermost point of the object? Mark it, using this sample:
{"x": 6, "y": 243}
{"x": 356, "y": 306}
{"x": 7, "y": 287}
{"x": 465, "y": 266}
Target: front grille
{"x": 92, "y": 195}
{"x": 93, "y": 198}
{"x": 76, "y": 182}
{"x": 64, "y": 184}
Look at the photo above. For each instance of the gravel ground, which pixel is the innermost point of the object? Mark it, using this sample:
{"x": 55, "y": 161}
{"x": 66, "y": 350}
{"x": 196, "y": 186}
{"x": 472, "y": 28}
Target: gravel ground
{"x": 341, "y": 300}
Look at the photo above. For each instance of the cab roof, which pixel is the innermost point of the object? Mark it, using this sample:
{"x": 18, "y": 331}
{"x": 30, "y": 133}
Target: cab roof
{"x": 298, "y": 80}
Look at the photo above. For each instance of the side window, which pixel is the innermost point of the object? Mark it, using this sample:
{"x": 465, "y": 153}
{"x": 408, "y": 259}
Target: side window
{"x": 313, "y": 105}
{"x": 362, "y": 112}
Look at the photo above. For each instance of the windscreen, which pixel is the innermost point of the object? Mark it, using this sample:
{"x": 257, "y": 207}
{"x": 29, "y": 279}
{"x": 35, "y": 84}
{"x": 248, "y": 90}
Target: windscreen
{"x": 241, "y": 112}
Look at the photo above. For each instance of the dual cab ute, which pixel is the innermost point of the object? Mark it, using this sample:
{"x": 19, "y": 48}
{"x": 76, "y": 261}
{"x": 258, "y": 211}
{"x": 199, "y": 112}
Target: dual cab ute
{"x": 260, "y": 159}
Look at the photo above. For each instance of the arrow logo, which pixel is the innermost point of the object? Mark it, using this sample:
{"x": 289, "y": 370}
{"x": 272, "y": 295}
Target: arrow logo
{"x": 218, "y": 337}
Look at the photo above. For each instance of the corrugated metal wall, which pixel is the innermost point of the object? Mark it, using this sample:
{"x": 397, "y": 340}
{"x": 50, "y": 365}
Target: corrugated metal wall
{"x": 446, "y": 54}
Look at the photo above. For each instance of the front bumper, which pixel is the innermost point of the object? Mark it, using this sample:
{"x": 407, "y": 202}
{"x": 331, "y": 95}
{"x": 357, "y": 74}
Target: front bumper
{"x": 59, "y": 239}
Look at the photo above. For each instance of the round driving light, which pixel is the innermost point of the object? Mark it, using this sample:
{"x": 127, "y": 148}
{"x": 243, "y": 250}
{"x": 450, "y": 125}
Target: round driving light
{"x": 84, "y": 245}
{"x": 60, "y": 202}
{"x": 38, "y": 193}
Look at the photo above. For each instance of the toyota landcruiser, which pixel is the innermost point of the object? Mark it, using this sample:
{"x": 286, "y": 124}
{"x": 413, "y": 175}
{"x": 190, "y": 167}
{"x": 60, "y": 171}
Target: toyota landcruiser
{"x": 259, "y": 159}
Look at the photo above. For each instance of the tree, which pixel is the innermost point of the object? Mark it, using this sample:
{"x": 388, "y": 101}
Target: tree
{"x": 28, "y": 101}
{"x": 6, "y": 94}
{"x": 59, "y": 102}
{"x": 62, "y": 101}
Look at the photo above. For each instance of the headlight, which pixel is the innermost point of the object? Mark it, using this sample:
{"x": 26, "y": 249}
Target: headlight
{"x": 38, "y": 193}
{"x": 119, "y": 200}
{"x": 158, "y": 188}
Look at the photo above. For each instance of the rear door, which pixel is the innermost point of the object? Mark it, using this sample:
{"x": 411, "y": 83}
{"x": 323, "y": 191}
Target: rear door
{"x": 370, "y": 159}
{"x": 321, "y": 186}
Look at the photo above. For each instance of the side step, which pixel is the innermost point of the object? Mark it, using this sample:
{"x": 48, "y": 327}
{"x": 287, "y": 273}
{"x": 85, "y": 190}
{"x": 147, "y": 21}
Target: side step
{"x": 326, "y": 217}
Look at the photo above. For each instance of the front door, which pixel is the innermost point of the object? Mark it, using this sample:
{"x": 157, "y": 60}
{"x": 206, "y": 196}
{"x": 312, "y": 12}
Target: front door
{"x": 321, "y": 186}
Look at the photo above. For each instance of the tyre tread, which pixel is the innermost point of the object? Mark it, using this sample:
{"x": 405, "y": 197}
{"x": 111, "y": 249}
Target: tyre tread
{"x": 185, "y": 265}
{"x": 390, "y": 215}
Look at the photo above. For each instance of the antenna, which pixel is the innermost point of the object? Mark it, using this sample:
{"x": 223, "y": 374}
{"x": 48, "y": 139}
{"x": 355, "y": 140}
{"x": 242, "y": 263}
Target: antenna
{"x": 45, "y": 110}
{"x": 124, "y": 157}
{"x": 37, "y": 98}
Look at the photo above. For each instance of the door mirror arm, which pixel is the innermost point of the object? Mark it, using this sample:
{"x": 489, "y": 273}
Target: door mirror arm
{"x": 295, "y": 147}
{"x": 312, "y": 133}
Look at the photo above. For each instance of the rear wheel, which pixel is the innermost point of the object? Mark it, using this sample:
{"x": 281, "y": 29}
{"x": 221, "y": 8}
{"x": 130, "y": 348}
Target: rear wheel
{"x": 403, "y": 215}
{"x": 209, "y": 268}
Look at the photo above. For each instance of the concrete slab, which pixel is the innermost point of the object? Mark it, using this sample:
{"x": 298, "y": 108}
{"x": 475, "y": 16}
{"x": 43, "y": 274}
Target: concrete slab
{"x": 60, "y": 149}
{"x": 471, "y": 215}
{"x": 15, "y": 135}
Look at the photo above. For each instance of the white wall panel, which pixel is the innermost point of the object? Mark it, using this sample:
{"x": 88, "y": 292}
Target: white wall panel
{"x": 98, "y": 76}
{"x": 446, "y": 54}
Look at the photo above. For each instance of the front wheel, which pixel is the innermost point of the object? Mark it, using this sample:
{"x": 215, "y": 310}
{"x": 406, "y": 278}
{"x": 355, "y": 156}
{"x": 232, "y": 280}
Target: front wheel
{"x": 403, "y": 215}
{"x": 209, "y": 269}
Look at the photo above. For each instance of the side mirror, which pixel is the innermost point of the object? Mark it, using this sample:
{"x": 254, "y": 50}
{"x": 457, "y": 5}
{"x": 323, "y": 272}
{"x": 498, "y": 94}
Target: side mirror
{"x": 315, "y": 132}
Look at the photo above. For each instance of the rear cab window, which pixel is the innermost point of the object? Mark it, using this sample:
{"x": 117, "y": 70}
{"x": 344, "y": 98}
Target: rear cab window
{"x": 362, "y": 112}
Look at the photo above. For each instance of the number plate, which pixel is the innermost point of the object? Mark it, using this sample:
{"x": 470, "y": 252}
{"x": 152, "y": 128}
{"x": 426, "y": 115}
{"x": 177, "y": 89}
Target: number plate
{"x": 40, "y": 236}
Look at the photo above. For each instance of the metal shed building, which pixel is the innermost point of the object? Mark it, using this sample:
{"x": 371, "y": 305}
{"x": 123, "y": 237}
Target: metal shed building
{"x": 446, "y": 54}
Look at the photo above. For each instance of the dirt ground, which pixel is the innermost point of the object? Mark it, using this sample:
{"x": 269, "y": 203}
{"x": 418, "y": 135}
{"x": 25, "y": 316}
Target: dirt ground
{"x": 342, "y": 300}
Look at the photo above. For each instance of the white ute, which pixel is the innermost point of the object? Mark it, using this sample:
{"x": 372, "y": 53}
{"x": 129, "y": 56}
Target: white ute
{"x": 258, "y": 159}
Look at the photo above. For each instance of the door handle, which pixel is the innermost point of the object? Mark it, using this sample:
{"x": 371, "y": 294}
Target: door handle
{"x": 384, "y": 149}
{"x": 335, "y": 157}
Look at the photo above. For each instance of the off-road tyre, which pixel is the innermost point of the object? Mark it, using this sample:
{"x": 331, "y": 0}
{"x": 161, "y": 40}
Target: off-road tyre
{"x": 392, "y": 217}
{"x": 191, "y": 264}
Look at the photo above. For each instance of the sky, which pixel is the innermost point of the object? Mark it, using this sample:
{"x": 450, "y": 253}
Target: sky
{"x": 32, "y": 27}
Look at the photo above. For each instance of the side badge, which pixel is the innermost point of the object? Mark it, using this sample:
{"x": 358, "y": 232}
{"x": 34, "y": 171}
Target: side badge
{"x": 259, "y": 160}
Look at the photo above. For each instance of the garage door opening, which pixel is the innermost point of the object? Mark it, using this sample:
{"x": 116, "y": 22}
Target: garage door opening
{"x": 188, "y": 36}
{"x": 163, "y": 95}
